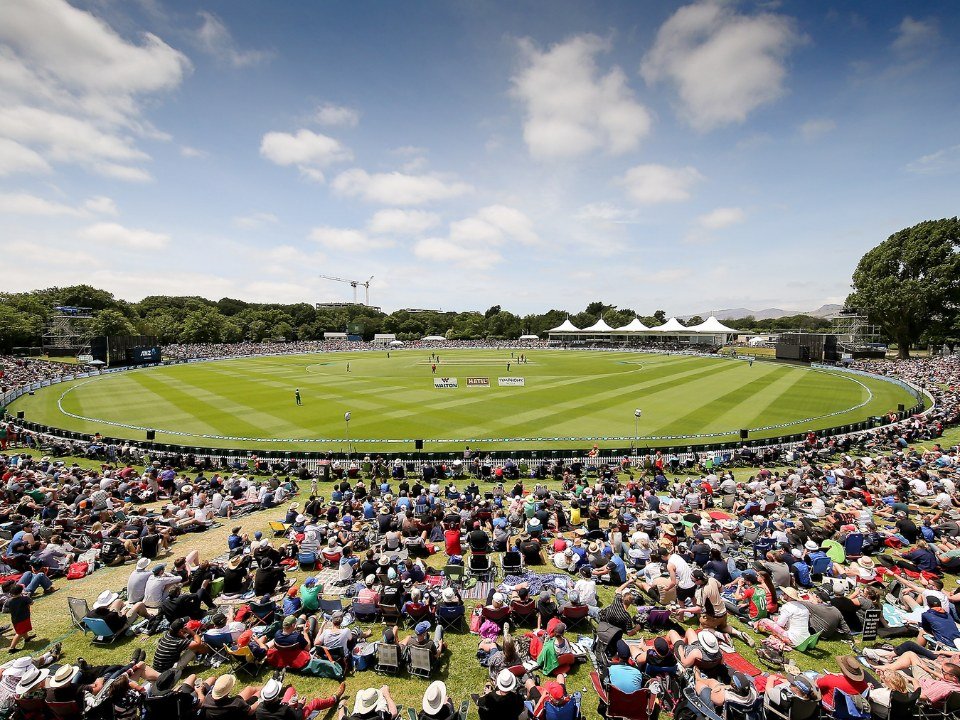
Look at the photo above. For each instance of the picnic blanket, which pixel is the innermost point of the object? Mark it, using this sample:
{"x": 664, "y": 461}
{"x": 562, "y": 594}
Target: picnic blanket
{"x": 535, "y": 581}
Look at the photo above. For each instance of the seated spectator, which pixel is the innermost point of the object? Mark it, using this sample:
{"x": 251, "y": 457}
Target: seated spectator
{"x": 371, "y": 704}
{"x": 850, "y": 680}
{"x": 220, "y": 704}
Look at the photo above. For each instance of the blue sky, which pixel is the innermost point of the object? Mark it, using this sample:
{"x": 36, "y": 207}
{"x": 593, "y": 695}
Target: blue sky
{"x": 530, "y": 154}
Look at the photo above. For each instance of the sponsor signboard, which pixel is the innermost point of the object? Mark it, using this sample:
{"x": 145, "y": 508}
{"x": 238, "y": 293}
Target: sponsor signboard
{"x": 445, "y": 382}
{"x": 479, "y": 382}
{"x": 510, "y": 382}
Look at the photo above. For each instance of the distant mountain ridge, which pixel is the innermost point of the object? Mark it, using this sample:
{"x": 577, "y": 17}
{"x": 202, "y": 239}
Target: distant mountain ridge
{"x": 768, "y": 314}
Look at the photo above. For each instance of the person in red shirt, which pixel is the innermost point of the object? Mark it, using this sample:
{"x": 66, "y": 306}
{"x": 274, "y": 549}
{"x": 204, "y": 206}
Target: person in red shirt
{"x": 850, "y": 680}
{"x": 451, "y": 541}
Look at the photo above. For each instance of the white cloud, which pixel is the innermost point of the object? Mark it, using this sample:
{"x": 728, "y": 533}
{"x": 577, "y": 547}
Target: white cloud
{"x": 669, "y": 275}
{"x": 256, "y": 220}
{"x": 606, "y": 212}
{"x": 721, "y": 218}
{"x": 101, "y": 205}
{"x": 215, "y": 39}
{"x": 348, "y": 240}
{"x": 309, "y": 151}
{"x": 398, "y": 188}
{"x": 941, "y": 162}
{"x": 446, "y": 252}
{"x": 26, "y": 204}
{"x": 45, "y": 255}
{"x": 288, "y": 260}
{"x": 915, "y": 38}
{"x": 116, "y": 234}
{"x": 337, "y": 115}
{"x": 192, "y": 152}
{"x": 816, "y": 128}
{"x": 511, "y": 222}
{"x": 16, "y": 158}
{"x": 652, "y": 184}
{"x": 72, "y": 89}
{"x": 571, "y": 108}
{"x": 723, "y": 64}
{"x": 402, "y": 222}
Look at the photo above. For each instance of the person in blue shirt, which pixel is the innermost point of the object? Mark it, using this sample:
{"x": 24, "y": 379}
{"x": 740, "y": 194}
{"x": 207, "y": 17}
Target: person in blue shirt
{"x": 938, "y": 623}
{"x": 923, "y": 557}
{"x": 624, "y": 675}
{"x": 235, "y": 540}
{"x": 615, "y": 570}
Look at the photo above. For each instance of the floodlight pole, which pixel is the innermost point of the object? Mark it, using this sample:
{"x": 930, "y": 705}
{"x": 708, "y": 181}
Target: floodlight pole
{"x": 346, "y": 420}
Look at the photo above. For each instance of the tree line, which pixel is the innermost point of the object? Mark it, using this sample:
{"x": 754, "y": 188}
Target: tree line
{"x": 909, "y": 285}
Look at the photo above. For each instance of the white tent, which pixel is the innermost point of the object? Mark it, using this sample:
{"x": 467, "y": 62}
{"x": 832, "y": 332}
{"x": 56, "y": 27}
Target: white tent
{"x": 634, "y": 326}
{"x": 396, "y": 343}
{"x": 671, "y": 326}
{"x": 566, "y": 326}
{"x": 712, "y": 325}
{"x": 434, "y": 338}
{"x": 598, "y": 326}
{"x": 529, "y": 337}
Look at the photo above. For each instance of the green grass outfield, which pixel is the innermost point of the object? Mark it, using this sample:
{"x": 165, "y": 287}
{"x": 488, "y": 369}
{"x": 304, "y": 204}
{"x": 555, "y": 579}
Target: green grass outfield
{"x": 568, "y": 398}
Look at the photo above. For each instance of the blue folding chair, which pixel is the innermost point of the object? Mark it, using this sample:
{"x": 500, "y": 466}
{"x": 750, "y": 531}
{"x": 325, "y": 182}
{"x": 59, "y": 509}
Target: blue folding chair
{"x": 853, "y": 545}
{"x": 102, "y": 634}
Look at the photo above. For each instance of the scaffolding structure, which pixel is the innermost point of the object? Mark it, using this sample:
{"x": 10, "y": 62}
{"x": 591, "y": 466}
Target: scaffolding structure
{"x": 68, "y": 331}
{"x": 855, "y": 333}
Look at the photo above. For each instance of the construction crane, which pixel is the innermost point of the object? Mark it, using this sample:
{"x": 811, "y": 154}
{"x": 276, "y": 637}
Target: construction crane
{"x": 354, "y": 284}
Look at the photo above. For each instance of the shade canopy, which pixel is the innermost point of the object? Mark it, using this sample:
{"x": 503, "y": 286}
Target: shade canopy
{"x": 712, "y": 325}
{"x": 671, "y": 326}
{"x": 598, "y": 326}
{"x": 634, "y": 326}
{"x": 434, "y": 338}
{"x": 566, "y": 326}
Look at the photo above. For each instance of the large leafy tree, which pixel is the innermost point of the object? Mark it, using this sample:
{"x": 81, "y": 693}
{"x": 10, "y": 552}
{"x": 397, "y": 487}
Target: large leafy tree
{"x": 911, "y": 281}
{"x": 111, "y": 322}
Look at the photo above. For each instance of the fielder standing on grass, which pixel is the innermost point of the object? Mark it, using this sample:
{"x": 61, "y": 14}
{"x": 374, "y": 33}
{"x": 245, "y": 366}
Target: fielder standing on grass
{"x": 296, "y": 394}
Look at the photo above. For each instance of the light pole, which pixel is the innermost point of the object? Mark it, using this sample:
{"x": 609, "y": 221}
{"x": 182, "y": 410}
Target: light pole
{"x": 346, "y": 420}
{"x": 636, "y": 427}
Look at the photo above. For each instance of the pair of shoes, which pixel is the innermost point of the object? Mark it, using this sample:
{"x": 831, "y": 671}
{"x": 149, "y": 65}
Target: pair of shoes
{"x": 279, "y": 675}
{"x": 138, "y": 656}
{"x": 56, "y": 650}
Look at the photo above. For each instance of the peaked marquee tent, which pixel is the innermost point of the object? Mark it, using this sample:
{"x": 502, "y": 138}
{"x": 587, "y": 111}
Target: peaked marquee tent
{"x": 710, "y": 331}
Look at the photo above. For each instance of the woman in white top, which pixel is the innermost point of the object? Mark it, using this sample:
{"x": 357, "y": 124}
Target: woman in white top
{"x": 792, "y": 625}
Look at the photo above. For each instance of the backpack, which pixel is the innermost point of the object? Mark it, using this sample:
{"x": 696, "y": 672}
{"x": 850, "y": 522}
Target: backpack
{"x": 78, "y": 570}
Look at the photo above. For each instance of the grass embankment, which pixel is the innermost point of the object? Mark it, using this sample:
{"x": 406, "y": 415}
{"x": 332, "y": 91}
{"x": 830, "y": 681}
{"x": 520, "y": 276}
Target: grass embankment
{"x": 460, "y": 670}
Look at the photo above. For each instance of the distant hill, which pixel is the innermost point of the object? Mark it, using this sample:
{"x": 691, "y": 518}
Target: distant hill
{"x": 768, "y": 314}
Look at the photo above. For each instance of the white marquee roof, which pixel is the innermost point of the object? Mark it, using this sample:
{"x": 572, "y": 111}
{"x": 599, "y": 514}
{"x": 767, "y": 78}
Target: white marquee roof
{"x": 599, "y": 326}
{"x": 712, "y": 325}
{"x": 671, "y": 325}
{"x": 566, "y": 326}
{"x": 634, "y": 326}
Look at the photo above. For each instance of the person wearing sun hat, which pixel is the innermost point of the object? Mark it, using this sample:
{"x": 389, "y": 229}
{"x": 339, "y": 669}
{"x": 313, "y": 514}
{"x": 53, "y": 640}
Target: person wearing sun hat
{"x": 501, "y": 700}
{"x": 371, "y": 704}
{"x": 436, "y": 704}
{"x": 851, "y": 680}
{"x": 174, "y": 696}
{"x": 31, "y": 684}
{"x": 221, "y": 704}
{"x": 279, "y": 704}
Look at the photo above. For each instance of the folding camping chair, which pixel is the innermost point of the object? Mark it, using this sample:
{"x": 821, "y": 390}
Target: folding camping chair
{"x": 388, "y": 658}
{"x": 102, "y": 634}
{"x": 638, "y": 705}
{"x": 451, "y": 617}
{"x": 420, "y": 662}
{"x": 330, "y": 605}
{"x": 480, "y": 567}
{"x": 390, "y": 614}
{"x": 364, "y": 612}
{"x": 853, "y": 546}
{"x": 511, "y": 563}
{"x": 574, "y": 616}
{"x": 279, "y": 528}
{"x": 421, "y": 613}
{"x": 244, "y": 660}
{"x": 454, "y": 575}
{"x": 79, "y": 609}
{"x": 521, "y": 612}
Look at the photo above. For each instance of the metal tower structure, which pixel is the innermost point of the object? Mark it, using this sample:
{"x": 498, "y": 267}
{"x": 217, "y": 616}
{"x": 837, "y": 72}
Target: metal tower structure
{"x": 68, "y": 330}
{"x": 854, "y": 331}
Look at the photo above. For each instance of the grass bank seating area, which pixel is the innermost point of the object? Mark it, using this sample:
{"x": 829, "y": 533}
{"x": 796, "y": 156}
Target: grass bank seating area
{"x": 825, "y": 586}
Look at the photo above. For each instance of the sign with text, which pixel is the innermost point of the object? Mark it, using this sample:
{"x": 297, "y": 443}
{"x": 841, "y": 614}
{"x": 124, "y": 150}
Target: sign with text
{"x": 478, "y": 382}
{"x": 510, "y": 382}
{"x": 445, "y": 382}
{"x": 871, "y": 625}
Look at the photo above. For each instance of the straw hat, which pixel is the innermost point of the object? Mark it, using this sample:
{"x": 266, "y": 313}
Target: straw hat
{"x": 366, "y": 701}
{"x": 434, "y": 698}
{"x": 63, "y": 675}
{"x": 235, "y": 562}
{"x": 223, "y": 686}
{"x": 867, "y": 563}
{"x": 31, "y": 678}
{"x": 791, "y": 592}
{"x": 708, "y": 641}
{"x": 271, "y": 690}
